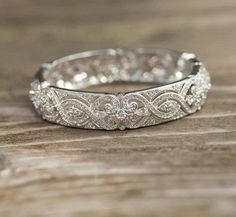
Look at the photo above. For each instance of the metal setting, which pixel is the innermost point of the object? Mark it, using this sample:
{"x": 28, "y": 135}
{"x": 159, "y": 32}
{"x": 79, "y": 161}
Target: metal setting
{"x": 182, "y": 83}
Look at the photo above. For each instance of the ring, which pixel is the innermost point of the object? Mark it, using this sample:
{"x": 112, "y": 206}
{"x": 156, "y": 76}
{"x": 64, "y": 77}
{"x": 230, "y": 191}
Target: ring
{"x": 181, "y": 83}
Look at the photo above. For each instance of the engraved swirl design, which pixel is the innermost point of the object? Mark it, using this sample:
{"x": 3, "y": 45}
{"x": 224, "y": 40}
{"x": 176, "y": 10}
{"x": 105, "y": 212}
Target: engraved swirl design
{"x": 131, "y": 110}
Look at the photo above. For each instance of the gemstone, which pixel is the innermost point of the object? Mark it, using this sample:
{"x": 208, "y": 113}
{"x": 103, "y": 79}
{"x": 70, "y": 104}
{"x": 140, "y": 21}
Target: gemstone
{"x": 190, "y": 100}
{"x": 121, "y": 114}
{"x": 108, "y": 108}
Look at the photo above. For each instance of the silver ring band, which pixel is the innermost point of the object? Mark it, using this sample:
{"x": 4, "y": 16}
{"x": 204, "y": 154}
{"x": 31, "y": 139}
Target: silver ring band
{"x": 181, "y": 86}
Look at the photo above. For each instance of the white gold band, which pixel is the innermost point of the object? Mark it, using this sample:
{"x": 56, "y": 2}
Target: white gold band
{"x": 182, "y": 83}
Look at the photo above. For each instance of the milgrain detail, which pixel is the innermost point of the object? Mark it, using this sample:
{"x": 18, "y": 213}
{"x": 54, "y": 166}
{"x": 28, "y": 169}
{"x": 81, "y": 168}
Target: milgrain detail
{"x": 131, "y": 110}
{"x": 122, "y": 110}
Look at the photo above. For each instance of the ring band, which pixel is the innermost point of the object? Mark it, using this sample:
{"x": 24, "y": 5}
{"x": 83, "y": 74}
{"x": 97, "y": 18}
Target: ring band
{"x": 181, "y": 86}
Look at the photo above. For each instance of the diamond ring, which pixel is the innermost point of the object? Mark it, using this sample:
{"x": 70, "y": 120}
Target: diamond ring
{"x": 181, "y": 83}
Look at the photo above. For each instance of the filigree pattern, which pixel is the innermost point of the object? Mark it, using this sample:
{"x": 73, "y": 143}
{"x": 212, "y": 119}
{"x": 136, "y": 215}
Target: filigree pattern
{"x": 121, "y": 111}
{"x": 124, "y": 110}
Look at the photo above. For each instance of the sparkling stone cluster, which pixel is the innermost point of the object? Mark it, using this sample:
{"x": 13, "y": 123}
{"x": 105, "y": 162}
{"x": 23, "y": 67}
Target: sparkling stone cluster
{"x": 125, "y": 110}
{"x": 42, "y": 99}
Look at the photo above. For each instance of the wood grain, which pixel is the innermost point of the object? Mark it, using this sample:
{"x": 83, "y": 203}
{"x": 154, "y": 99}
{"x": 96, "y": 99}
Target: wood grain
{"x": 184, "y": 168}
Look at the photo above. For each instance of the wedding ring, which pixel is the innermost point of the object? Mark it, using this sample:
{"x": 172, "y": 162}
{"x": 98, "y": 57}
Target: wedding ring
{"x": 181, "y": 83}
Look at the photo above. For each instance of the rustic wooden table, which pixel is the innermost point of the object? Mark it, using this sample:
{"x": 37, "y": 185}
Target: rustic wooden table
{"x": 185, "y": 168}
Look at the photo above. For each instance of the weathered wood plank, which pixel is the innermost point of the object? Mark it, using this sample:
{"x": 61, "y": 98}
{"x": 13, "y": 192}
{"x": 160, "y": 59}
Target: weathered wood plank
{"x": 183, "y": 168}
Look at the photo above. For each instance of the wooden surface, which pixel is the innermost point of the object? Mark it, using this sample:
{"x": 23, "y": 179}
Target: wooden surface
{"x": 185, "y": 168}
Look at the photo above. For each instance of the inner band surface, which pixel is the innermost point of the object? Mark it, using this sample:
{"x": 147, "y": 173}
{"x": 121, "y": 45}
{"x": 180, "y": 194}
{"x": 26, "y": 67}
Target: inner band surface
{"x": 82, "y": 70}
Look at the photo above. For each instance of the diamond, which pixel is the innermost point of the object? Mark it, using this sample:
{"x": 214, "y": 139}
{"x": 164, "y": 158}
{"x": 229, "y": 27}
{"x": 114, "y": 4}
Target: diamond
{"x": 121, "y": 115}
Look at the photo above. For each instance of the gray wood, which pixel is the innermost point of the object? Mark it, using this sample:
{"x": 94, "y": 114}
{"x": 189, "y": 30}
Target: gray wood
{"x": 183, "y": 168}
